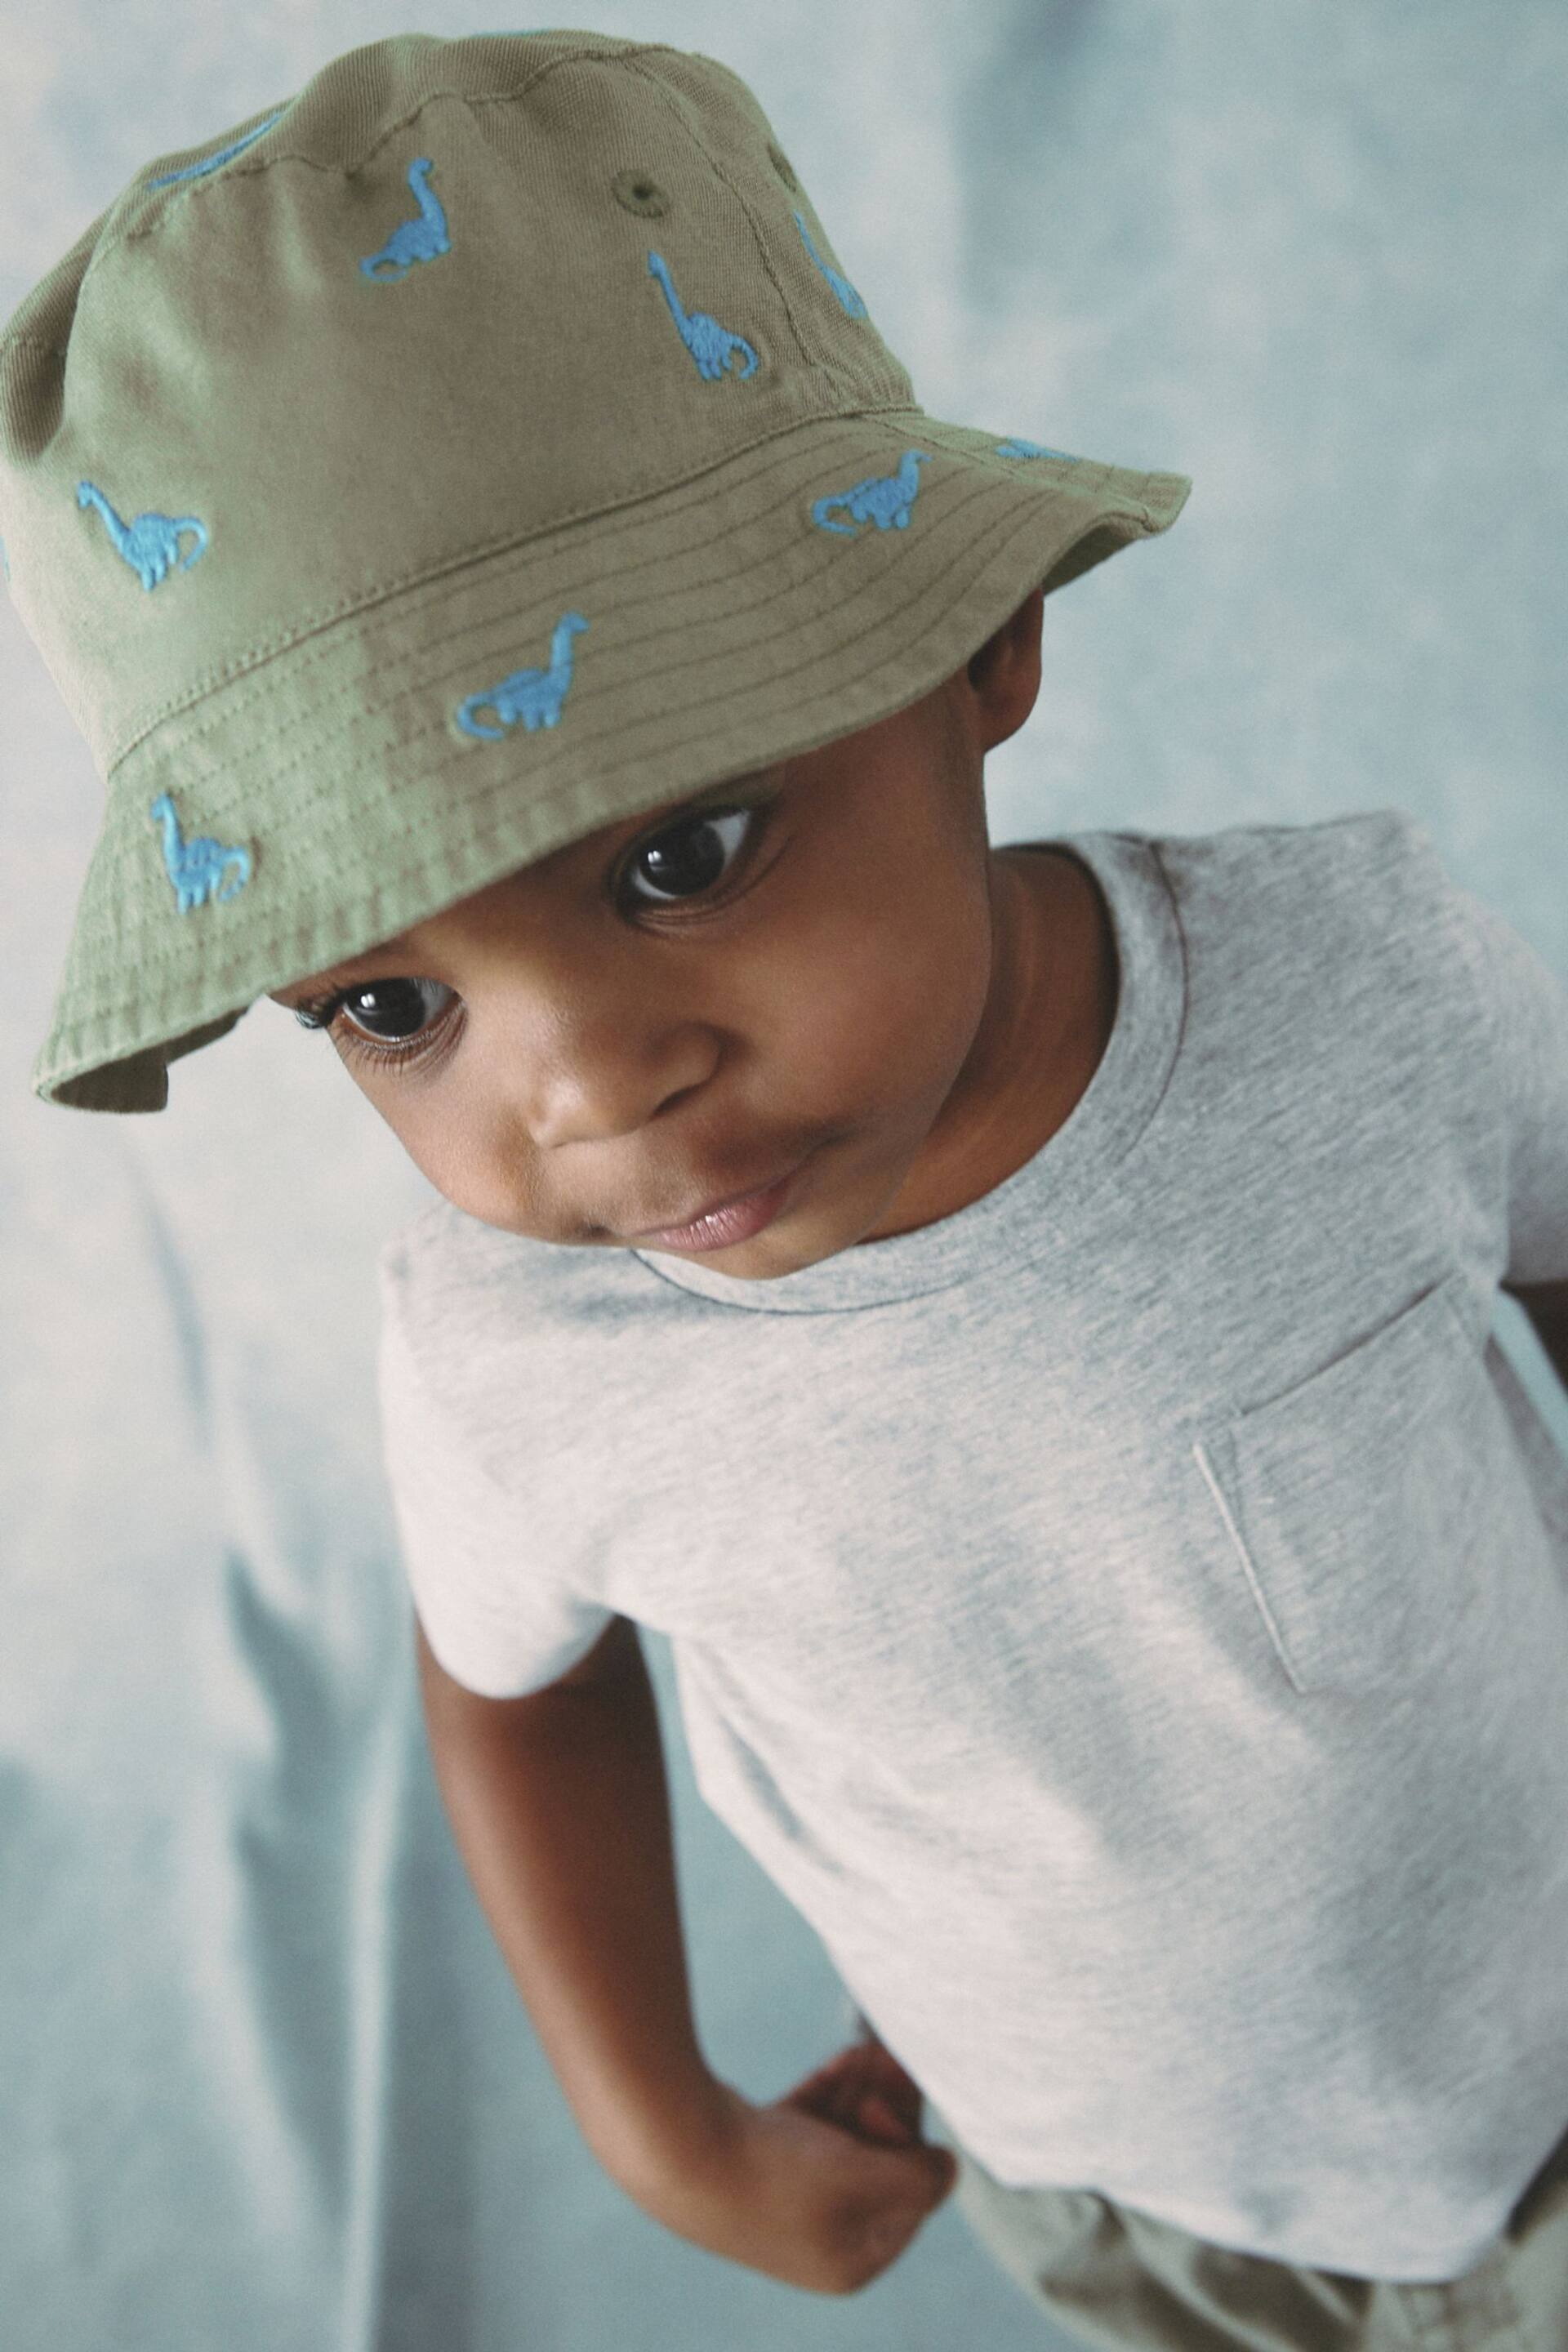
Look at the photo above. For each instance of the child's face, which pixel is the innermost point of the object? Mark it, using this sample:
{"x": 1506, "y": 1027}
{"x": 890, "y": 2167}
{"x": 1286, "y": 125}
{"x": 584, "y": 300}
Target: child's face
{"x": 831, "y": 961}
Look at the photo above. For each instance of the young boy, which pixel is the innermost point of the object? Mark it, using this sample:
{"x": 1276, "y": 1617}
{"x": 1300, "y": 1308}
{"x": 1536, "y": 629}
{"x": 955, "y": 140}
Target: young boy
{"x": 1018, "y": 1319}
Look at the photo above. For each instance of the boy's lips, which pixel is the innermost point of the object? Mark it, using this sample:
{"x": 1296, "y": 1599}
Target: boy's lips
{"x": 718, "y": 1201}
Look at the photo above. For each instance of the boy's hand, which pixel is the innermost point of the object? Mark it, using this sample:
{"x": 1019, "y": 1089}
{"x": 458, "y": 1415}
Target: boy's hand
{"x": 823, "y": 2189}
{"x": 867, "y": 2091}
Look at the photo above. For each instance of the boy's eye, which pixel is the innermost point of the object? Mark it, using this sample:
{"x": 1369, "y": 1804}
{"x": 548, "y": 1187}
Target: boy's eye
{"x": 393, "y": 1012}
{"x": 690, "y": 856}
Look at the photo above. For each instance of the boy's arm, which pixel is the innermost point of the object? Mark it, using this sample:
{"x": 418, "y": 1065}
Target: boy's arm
{"x": 560, "y": 1807}
{"x": 559, "y": 1804}
{"x": 1546, "y": 1303}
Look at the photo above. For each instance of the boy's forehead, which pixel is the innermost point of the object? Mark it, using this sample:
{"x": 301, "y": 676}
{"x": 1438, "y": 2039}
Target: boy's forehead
{"x": 402, "y": 947}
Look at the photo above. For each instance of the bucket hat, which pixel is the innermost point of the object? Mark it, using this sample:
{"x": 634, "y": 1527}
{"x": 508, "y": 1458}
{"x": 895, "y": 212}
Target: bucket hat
{"x": 477, "y": 449}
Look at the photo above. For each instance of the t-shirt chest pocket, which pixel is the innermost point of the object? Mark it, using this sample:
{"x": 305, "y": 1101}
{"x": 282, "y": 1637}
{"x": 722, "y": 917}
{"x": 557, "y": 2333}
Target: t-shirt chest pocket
{"x": 1356, "y": 1502}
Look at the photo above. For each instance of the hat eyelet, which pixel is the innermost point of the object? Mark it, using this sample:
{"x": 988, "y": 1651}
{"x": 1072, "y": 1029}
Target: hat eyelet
{"x": 784, "y": 167}
{"x": 640, "y": 192}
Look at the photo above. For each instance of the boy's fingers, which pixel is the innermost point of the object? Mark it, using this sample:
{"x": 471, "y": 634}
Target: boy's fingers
{"x": 892, "y": 2085}
{"x": 864, "y": 2090}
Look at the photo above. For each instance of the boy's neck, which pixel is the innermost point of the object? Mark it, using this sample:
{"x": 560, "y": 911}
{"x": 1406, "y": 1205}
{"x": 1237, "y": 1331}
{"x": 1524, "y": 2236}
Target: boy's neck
{"x": 1064, "y": 992}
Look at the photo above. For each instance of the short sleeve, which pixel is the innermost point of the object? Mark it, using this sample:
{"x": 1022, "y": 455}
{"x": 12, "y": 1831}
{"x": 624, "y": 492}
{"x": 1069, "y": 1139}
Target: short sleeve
{"x": 1526, "y": 1007}
{"x": 496, "y": 1618}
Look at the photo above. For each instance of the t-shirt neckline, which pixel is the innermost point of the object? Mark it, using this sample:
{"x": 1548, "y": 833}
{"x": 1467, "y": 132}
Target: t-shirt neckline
{"x": 1038, "y": 1207}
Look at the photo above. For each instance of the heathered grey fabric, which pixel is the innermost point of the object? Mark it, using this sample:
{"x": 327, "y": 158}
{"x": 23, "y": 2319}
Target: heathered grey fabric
{"x": 1129, "y": 1618}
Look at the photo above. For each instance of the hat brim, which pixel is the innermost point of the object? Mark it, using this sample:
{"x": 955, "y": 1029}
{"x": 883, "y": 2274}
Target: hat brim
{"x": 730, "y": 622}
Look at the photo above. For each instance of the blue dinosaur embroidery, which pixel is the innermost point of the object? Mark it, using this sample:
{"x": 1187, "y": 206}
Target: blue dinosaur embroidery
{"x": 535, "y": 696}
{"x": 419, "y": 239}
{"x": 1017, "y": 448}
{"x": 195, "y": 867}
{"x": 882, "y": 499}
{"x": 149, "y": 544}
{"x": 835, "y": 278}
{"x": 711, "y": 345}
{"x": 195, "y": 171}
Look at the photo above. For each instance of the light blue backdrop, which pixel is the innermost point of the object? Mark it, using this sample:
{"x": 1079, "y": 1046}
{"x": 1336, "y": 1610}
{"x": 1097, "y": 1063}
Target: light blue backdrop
{"x": 267, "y": 2084}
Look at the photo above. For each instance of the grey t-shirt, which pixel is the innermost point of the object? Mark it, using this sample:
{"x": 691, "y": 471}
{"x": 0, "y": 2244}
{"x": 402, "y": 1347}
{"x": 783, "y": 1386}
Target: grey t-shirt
{"x": 1127, "y": 1618}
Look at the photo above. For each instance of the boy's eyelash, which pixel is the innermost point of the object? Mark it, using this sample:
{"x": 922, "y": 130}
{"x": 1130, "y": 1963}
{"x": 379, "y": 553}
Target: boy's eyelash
{"x": 317, "y": 1012}
{"x": 320, "y": 1011}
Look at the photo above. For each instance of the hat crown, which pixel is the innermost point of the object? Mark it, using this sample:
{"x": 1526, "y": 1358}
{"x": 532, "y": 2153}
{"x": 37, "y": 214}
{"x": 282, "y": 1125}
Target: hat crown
{"x": 455, "y": 296}
{"x": 478, "y": 448}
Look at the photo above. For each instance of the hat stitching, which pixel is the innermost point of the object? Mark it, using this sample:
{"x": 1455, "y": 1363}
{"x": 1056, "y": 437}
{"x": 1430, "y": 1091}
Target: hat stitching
{"x": 195, "y": 171}
{"x": 306, "y": 945}
{"x": 419, "y": 239}
{"x": 617, "y": 566}
{"x": 151, "y": 544}
{"x": 677, "y": 103}
{"x": 523, "y": 546}
{"x": 853, "y": 306}
{"x": 535, "y": 696}
{"x": 882, "y": 499}
{"x": 171, "y": 207}
{"x": 711, "y": 345}
{"x": 489, "y": 826}
{"x": 474, "y": 835}
{"x": 881, "y": 615}
{"x": 349, "y": 688}
{"x": 300, "y": 768}
{"x": 196, "y": 867}
{"x": 537, "y": 72}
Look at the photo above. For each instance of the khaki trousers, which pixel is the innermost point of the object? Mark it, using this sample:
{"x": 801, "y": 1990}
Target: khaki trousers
{"x": 1120, "y": 2281}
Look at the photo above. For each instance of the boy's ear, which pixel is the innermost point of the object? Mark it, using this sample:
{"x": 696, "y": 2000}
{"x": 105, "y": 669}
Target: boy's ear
{"x": 1004, "y": 675}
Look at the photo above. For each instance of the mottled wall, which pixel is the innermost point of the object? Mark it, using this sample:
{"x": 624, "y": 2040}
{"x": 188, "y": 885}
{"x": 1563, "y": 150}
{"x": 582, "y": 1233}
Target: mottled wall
{"x": 265, "y": 2083}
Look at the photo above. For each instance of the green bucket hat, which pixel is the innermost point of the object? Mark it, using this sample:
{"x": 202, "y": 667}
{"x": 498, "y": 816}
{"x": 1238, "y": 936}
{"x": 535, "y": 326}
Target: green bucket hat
{"x": 480, "y": 448}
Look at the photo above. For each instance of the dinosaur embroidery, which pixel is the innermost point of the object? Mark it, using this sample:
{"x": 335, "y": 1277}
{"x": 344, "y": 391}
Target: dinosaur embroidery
{"x": 1017, "y": 448}
{"x": 151, "y": 544}
{"x": 882, "y": 499}
{"x": 711, "y": 345}
{"x": 194, "y": 171}
{"x": 535, "y": 696}
{"x": 419, "y": 239}
{"x": 195, "y": 867}
{"x": 839, "y": 283}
